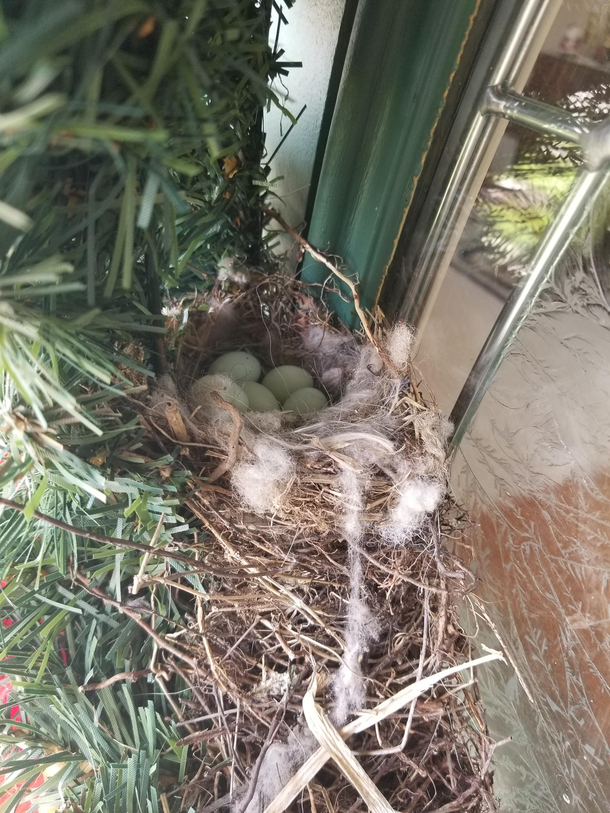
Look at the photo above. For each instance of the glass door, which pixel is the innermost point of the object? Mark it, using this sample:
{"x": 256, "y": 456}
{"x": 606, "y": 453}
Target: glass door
{"x": 506, "y": 274}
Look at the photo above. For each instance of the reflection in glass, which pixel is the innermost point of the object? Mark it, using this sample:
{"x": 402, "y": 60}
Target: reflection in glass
{"x": 533, "y": 470}
{"x": 526, "y": 182}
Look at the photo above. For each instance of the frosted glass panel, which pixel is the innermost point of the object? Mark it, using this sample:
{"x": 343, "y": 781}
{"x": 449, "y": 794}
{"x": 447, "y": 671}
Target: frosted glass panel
{"x": 534, "y": 472}
{"x": 533, "y": 469}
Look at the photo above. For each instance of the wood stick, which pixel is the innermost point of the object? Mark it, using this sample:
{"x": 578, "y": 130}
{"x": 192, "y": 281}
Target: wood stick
{"x": 135, "y": 616}
{"x": 401, "y": 576}
{"x": 238, "y": 421}
{"x": 105, "y": 540}
{"x": 133, "y": 676}
{"x": 138, "y": 580}
{"x": 321, "y": 258}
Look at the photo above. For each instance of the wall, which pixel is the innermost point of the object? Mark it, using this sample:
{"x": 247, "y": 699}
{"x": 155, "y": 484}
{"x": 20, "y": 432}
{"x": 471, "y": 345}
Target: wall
{"x": 310, "y": 37}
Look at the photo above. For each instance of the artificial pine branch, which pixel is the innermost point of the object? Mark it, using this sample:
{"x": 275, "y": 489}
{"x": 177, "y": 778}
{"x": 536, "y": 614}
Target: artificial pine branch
{"x": 131, "y": 150}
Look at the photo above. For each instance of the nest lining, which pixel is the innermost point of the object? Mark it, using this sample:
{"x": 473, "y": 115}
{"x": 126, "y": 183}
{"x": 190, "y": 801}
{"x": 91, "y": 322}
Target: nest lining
{"x": 326, "y": 537}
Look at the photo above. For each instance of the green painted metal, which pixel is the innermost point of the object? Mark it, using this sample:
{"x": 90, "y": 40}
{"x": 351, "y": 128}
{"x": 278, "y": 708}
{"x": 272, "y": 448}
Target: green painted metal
{"x": 396, "y": 79}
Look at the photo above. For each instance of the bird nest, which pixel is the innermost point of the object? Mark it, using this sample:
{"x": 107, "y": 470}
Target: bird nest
{"x": 327, "y": 665}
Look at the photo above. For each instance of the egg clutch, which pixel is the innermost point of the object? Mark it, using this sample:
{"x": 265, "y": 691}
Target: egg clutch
{"x": 235, "y": 377}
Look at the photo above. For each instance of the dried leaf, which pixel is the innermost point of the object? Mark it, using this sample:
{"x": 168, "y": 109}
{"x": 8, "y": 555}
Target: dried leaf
{"x": 232, "y": 165}
{"x": 393, "y": 704}
{"x": 331, "y": 741}
{"x": 176, "y": 423}
{"x": 147, "y": 27}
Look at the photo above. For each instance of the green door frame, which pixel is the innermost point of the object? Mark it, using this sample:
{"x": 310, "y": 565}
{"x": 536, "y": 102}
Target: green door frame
{"x": 400, "y": 65}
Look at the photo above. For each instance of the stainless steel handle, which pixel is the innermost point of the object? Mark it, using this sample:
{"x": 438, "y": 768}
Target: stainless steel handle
{"x": 502, "y": 101}
{"x": 594, "y": 139}
{"x": 547, "y": 254}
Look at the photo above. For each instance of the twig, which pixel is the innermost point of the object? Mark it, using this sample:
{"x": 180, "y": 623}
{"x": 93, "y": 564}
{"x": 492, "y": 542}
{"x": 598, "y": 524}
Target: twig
{"x": 224, "y": 801}
{"x": 133, "y": 676}
{"x": 492, "y": 750}
{"x": 312, "y": 801}
{"x": 205, "y": 718}
{"x": 200, "y": 736}
{"x": 161, "y": 682}
{"x": 457, "y": 805}
{"x": 420, "y": 668}
{"x": 222, "y": 573}
{"x": 272, "y": 585}
{"x": 213, "y": 668}
{"x": 227, "y": 686}
{"x": 173, "y": 439}
{"x": 238, "y": 422}
{"x": 209, "y": 487}
{"x": 135, "y": 616}
{"x": 138, "y": 579}
{"x": 473, "y": 709}
{"x": 505, "y": 649}
{"x": 321, "y": 258}
{"x": 277, "y": 719}
{"x": 441, "y": 625}
{"x": 105, "y": 540}
{"x": 401, "y": 576}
